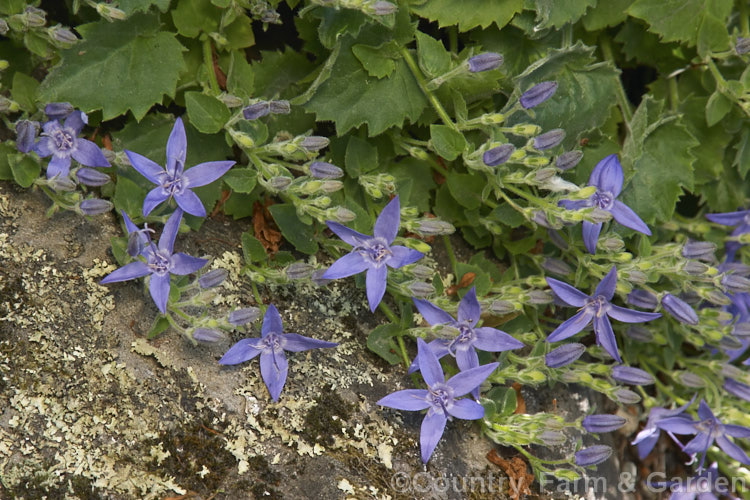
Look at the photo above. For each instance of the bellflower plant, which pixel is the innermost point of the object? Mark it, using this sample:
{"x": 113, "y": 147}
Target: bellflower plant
{"x": 440, "y": 397}
{"x": 607, "y": 177}
{"x": 271, "y": 346}
{"x": 597, "y": 308}
{"x": 705, "y": 486}
{"x": 161, "y": 262}
{"x": 175, "y": 181}
{"x": 649, "y": 435}
{"x": 373, "y": 253}
{"x": 469, "y": 338}
{"x": 62, "y": 143}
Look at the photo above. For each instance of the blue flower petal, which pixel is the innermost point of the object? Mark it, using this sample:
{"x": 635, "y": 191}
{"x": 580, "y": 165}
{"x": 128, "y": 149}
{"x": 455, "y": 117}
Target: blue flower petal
{"x": 729, "y": 218}
{"x": 493, "y": 340}
{"x": 58, "y": 166}
{"x": 271, "y": 322}
{"x": 591, "y": 235}
{"x": 568, "y": 294}
{"x": 466, "y": 358}
{"x": 439, "y": 348}
{"x": 607, "y": 285}
{"x": 159, "y": 288}
{"x": 466, "y": 409}
{"x": 153, "y": 199}
{"x": 608, "y": 175}
{"x": 348, "y": 265}
{"x": 432, "y": 429}
{"x": 571, "y": 326}
{"x": 464, "y": 381}
{"x": 432, "y": 372}
{"x": 409, "y": 399}
{"x": 625, "y": 216}
{"x": 375, "y": 283}
{"x": 295, "y": 342}
{"x": 386, "y": 225}
{"x": 736, "y": 431}
{"x": 605, "y": 337}
{"x": 176, "y": 149}
{"x": 403, "y": 256}
{"x": 432, "y": 313}
{"x": 75, "y": 121}
{"x": 630, "y": 316}
{"x": 185, "y": 264}
{"x": 354, "y": 238}
{"x": 732, "y": 450}
{"x": 469, "y": 309}
{"x": 169, "y": 233}
{"x": 44, "y": 147}
{"x": 88, "y": 153}
{"x": 127, "y": 272}
{"x": 274, "y": 368}
{"x": 244, "y": 350}
{"x": 206, "y": 173}
{"x": 190, "y": 203}
{"x": 680, "y": 424}
{"x": 147, "y": 168}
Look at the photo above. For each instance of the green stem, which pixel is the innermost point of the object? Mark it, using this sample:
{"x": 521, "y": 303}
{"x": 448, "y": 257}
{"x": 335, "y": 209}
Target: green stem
{"x": 423, "y": 85}
{"x": 744, "y": 22}
{"x": 451, "y": 254}
{"x": 567, "y": 36}
{"x": 674, "y": 95}
{"x": 208, "y": 60}
{"x": 721, "y": 83}
{"x": 622, "y": 99}
{"x": 174, "y": 324}
{"x": 388, "y": 312}
{"x": 258, "y": 300}
{"x": 453, "y": 39}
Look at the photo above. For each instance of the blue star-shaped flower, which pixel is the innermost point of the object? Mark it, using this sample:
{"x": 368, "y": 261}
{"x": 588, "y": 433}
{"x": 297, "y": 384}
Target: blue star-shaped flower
{"x": 648, "y": 437}
{"x": 175, "y": 181}
{"x": 373, "y": 253}
{"x": 607, "y": 176}
{"x": 469, "y": 337}
{"x": 707, "y": 485}
{"x": 440, "y": 397}
{"x": 160, "y": 262}
{"x": 595, "y": 308}
{"x": 740, "y": 219}
{"x": 271, "y": 346}
{"x": 62, "y": 142}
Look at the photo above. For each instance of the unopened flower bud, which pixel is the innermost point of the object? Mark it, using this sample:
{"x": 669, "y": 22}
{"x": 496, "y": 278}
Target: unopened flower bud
{"x": 689, "y": 379}
{"x": 549, "y": 140}
{"x": 695, "y": 268}
{"x": 207, "y": 335}
{"x": 421, "y": 271}
{"x": 593, "y": 455}
{"x": 95, "y": 206}
{"x": 331, "y": 186}
{"x": 340, "y": 214}
{"x": 314, "y": 142}
{"x": 61, "y": 184}
{"x": 257, "y": 110}
{"x": 318, "y": 279}
{"x": 730, "y": 343}
{"x": 557, "y": 240}
{"x": 538, "y": 94}
{"x": 540, "y": 297}
{"x": 382, "y": 8}
{"x": 270, "y": 16}
{"x": 110, "y": 13}
{"x": 502, "y": 307}
{"x": 299, "y": 270}
{"x": 564, "y": 355}
{"x": 742, "y": 46}
{"x": 485, "y": 62}
{"x": 230, "y": 101}
{"x": 639, "y": 333}
{"x": 244, "y": 315}
{"x": 91, "y": 177}
{"x": 556, "y": 266}
{"x": 741, "y": 329}
{"x": 568, "y": 160}
{"x": 433, "y": 227}
{"x": 598, "y": 424}
{"x": 643, "y": 299}
{"x": 598, "y": 215}
{"x": 3, "y": 27}
{"x": 34, "y": 17}
{"x": 421, "y": 289}
{"x": 213, "y": 278}
{"x": 626, "y": 397}
{"x": 631, "y": 375}
{"x": 62, "y": 35}
{"x": 498, "y": 155}
{"x": 279, "y": 182}
{"x": 701, "y": 250}
{"x": 323, "y": 170}
{"x": 58, "y": 110}
{"x": 25, "y": 135}
{"x": 612, "y": 243}
{"x": 737, "y": 389}
{"x": 734, "y": 283}
{"x": 553, "y": 438}
{"x": 732, "y": 371}
{"x": 111, "y": 156}
{"x": 679, "y": 309}
{"x": 280, "y": 107}
{"x": 544, "y": 174}
{"x": 525, "y": 129}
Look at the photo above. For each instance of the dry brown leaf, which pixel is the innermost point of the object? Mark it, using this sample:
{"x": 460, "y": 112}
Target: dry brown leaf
{"x": 264, "y": 227}
{"x": 520, "y": 402}
{"x": 519, "y": 479}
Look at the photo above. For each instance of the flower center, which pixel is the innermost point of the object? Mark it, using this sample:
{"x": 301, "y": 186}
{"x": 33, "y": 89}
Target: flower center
{"x": 64, "y": 140}
{"x": 174, "y": 185}
{"x": 376, "y": 251}
{"x": 603, "y": 200}
{"x": 160, "y": 262}
{"x": 440, "y": 396}
{"x": 272, "y": 342}
{"x": 598, "y": 304}
{"x": 464, "y": 340}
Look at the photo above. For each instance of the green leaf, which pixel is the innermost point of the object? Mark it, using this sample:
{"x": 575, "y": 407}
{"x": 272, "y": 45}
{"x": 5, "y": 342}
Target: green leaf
{"x": 433, "y": 58}
{"x": 252, "y": 249}
{"x": 717, "y": 107}
{"x": 657, "y": 158}
{"x": 6, "y": 149}
{"x": 160, "y": 325}
{"x": 505, "y": 214}
{"x": 25, "y": 169}
{"x": 418, "y": 174}
{"x": 206, "y": 113}
{"x": 351, "y": 97}
{"x": 584, "y": 93}
{"x": 714, "y": 141}
{"x": 131, "y": 6}
{"x": 278, "y": 71}
{"x": 466, "y": 189}
{"x": 129, "y": 196}
{"x": 120, "y": 249}
{"x": 239, "y": 33}
{"x": 24, "y": 91}
{"x": 468, "y": 14}
{"x": 380, "y": 341}
{"x": 505, "y": 400}
{"x": 133, "y": 51}
{"x": 558, "y": 13}
{"x": 295, "y": 232}
{"x": 240, "y": 76}
{"x": 696, "y": 22}
{"x": 481, "y": 278}
{"x": 605, "y": 14}
{"x": 741, "y": 159}
{"x": 645, "y": 47}
{"x": 377, "y": 61}
{"x": 361, "y": 157}
{"x": 335, "y": 23}
{"x": 241, "y": 180}
{"x": 448, "y": 143}
{"x": 193, "y": 16}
